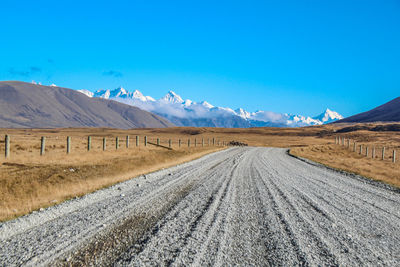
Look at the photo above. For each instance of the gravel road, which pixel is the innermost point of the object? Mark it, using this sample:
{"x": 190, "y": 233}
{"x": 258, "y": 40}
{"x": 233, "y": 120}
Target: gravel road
{"x": 242, "y": 206}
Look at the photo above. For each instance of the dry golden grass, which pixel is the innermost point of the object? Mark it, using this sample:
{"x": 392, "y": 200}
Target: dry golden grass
{"x": 29, "y": 181}
{"x": 345, "y": 158}
{"x": 342, "y": 158}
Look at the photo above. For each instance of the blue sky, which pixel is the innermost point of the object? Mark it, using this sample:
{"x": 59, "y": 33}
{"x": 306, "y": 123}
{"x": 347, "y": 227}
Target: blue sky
{"x": 283, "y": 56}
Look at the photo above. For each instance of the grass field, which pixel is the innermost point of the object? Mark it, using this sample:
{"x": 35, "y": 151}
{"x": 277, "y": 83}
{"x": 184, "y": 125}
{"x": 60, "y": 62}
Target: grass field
{"x": 29, "y": 181}
{"x": 344, "y": 158}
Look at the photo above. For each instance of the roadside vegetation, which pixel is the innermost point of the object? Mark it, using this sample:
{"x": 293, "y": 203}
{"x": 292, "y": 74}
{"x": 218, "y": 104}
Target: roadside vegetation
{"x": 29, "y": 181}
{"x": 345, "y": 158}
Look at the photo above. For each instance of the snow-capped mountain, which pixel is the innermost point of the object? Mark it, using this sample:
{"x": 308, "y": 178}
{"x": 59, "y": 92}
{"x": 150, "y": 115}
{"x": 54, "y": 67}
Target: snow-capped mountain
{"x": 117, "y": 93}
{"x": 243, "y": 113}
{"x": 172, "y": 97}
{"x": 203, "y": 114}
{"x": 328, "y": 116}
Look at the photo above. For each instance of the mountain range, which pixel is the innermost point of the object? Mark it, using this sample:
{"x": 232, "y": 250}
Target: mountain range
{"x": 203, "y": 114}
{"x": 28, "y": 105}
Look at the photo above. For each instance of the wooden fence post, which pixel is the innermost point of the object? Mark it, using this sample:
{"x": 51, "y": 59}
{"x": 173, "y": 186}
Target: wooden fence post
{"x": 68, "y": 144}
{"x": 195, "y": 142}
{"x": 145, "y": 141}
{"x": 170, "y": 143}
{"x": 137, "y": 140}
{"x": 366, "y": 151}
{"x": 189, "y": 142}
{"x": 348, "y": 143}
{"x": 213, "y": 141}
{"x": 383, "y": 153}
{"x": 158, "y": 141}
{"x": 7, "y": 148}
{"x": 394, "y": 156}
{"x": 179, "y": 142}
{"x": 360, "y": 149}
{"x": 373, "y": 152}
{"x": 116, "y": 142}
{"x": 104, "y": 144}
{"x": 42, "y": 145}
{"x": 127, "y": 141}
{"x": 89, "y": 143}
{"x": 354, "y": 146}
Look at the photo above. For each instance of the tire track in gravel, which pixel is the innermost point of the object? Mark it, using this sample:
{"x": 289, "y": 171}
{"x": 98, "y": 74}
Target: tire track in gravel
{"x": 153, "y": 209}
{"x": 340, "y": 241}
{"x": 241, "y": 206}
{"x": 346, "y": 234}
{"x": 184, "y": 219}
{"x": 39, "y": 240}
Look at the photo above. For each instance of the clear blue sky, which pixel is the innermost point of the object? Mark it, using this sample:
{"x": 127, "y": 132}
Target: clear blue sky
{"x": 283, "y": 56}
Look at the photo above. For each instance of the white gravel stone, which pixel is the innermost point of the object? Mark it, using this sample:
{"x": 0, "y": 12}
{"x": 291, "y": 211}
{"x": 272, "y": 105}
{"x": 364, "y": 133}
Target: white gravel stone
{"x": 242, "y": 206}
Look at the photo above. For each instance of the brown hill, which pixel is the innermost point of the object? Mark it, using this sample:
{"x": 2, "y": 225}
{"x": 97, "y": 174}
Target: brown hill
{"x": 27, "y": 105}
{"x": 384, "y": 113}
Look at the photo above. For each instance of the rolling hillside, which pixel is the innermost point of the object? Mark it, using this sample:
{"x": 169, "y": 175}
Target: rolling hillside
{"x": 27, "y": 105}
{"x": 388, "y": 112}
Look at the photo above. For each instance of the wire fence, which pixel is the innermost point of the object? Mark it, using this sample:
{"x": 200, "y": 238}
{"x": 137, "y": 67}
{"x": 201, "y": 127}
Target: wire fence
{"x": 34, "y": 145}
{"x": 381, "y": 151}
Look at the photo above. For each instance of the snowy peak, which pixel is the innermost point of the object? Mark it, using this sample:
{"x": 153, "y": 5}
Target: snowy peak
{"x": 190, "y": 113}
{"x": 138, "y": 95}
{"x": 118, "y": 92}
{"x": 243, "y": 113}
{"x": 86, "y": 92}
{"x": 328, "y": 116}
{"x": 102, "y": 94}
{"x": 172, "y": 97}
{"x": 206, "y": 104}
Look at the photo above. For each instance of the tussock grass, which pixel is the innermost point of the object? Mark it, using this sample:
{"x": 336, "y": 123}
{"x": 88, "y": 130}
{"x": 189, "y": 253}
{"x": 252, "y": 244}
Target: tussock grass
{"x": 29, "y": 181}
{"x": 344, "y": 158}
{"x": 28, "y": 185}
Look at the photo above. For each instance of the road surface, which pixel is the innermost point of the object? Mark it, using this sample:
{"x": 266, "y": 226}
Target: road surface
{"x": 242, "y": 206}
